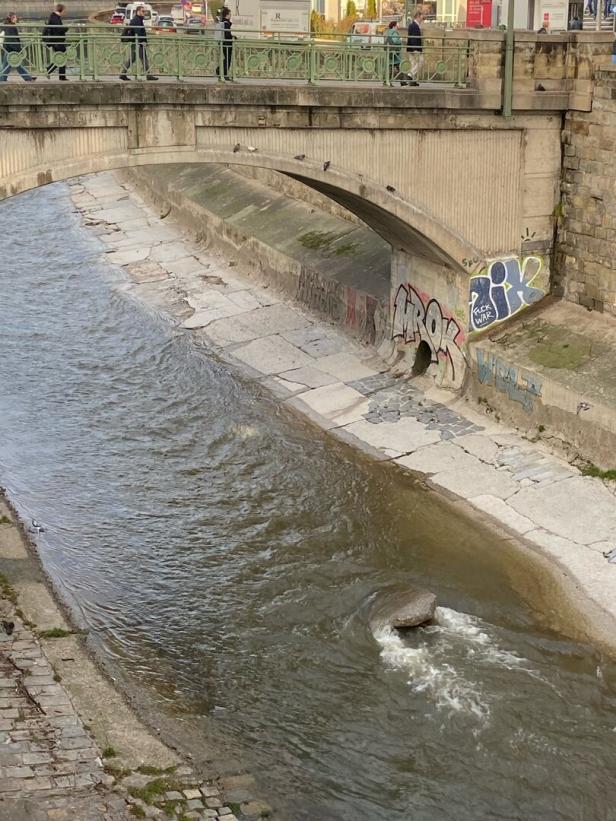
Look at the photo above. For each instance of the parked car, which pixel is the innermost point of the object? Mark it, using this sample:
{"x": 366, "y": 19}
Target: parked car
{"x": 117, "y": 18}
{"x": 165, "y": 25}
{"x": 194, "y": 25}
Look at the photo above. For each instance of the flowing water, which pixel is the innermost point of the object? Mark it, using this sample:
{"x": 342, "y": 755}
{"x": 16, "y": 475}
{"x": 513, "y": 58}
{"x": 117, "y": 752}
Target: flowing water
{"x": 225, "y": 556}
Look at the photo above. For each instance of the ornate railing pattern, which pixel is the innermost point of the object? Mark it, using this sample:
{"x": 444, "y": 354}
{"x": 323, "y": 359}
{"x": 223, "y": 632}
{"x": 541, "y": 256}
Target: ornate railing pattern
{"x": 98, "y": 52}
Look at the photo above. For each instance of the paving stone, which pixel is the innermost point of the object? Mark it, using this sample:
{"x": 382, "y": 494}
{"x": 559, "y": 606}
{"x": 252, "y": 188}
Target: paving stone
{"x": 344, "y": 366}
{"x": 502, "y": 512}
{"x": 192, "y": 793}
{"x": 394, "y": 438}
{"x": 309, "y": 377}
{"x": 336, "y": 403}
{"x": 271, "y": 354}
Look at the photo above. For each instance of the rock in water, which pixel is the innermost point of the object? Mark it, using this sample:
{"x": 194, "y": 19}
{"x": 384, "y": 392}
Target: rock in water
{"x": 409, "y": 608}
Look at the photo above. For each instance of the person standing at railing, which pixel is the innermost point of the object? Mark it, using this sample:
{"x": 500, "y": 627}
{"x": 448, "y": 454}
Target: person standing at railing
{"x": 54, "y": 37}
{"x": 227, "y": 42}
{"x": 11, "y": 44}
{"x": 393, "y": 42}
{"x": 414, "y": 46}
{"x": 136, "y": 35}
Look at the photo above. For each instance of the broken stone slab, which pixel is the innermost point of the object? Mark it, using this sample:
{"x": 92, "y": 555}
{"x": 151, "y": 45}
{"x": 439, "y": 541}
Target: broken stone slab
{"x": 408, "y": 608}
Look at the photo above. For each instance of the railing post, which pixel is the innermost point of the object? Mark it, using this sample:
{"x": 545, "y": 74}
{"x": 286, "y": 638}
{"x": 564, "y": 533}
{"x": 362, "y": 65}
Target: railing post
{"x": 312, "y": 78}
{"x": 508, "y": 78}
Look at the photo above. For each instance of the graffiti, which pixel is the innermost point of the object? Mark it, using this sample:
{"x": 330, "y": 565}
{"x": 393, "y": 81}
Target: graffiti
{"x": 522, "y": 388}
{"x": 505, "y": 289}
{"x": 526, "y": 236}
{"x": 470, "y": 263}
{"x": 418, "y": 318}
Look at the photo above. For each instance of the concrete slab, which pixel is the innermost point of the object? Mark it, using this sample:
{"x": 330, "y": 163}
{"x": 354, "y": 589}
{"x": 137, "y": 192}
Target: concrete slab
{"x": 551, "y": 507}
{"x": 245, "y": 300}
{"x": 122, "y": 213}
{"x": 502, "y": 512}
{"x": 337, "y": 403}
{"x": 271, "y": 354}
{"x": 344, "y": 366}
{"x": 483, "y": 447}
{"x": 184, "y": 265}
{"x": 274, "y": 319}
{"x": 394, "y": 438}
{"x": 318, "y": 341}
{"x": 129, "y": 255}
{"x": 466, "y": 481}
{"x": 169, "y": 252}
{"x": 310, "y": 377}
{"x": 437, "y": 458}
{"x": 225, "y": 332}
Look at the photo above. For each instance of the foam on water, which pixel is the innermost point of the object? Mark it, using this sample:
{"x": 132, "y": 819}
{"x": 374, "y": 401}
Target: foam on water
{"x": 431, "y": 664}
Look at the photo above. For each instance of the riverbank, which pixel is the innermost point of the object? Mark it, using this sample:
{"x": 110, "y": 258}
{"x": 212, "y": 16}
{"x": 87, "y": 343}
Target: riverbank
{"x": 73, "y": 748}
{"x": 542, "y": 503}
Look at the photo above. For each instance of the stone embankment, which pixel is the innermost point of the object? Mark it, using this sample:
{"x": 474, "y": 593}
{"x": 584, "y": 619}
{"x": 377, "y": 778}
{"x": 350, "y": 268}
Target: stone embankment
{"x": 490, "y": 472}
{"x": 72, "y": 749}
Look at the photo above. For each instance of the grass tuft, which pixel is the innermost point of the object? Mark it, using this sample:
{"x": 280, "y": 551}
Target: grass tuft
{"x": 8, "y": 591}
{"x": 137, "y": 811}
{"x": 146, "y": 769}
{"x": 109, "y": 752}
{"x": 55, "y": 633}
{"x": 593, "y": 470}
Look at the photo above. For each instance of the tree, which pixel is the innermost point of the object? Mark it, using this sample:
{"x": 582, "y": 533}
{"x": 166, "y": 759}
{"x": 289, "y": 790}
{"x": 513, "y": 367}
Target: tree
{"x": 351, "y": 9}
{"x": 316, "y": 22}
{"x": 371, "y": 9}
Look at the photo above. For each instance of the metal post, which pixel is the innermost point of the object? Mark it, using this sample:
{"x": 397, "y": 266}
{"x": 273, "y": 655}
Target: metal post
{"x": 508, "y": 76}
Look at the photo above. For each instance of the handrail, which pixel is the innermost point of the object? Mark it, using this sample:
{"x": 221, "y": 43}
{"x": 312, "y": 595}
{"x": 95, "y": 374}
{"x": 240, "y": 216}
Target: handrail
{"x": 102, "y": 53}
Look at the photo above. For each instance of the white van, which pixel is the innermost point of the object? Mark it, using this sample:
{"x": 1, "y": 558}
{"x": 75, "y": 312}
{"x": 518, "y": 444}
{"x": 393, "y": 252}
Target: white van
{"x": 149, "y": 18}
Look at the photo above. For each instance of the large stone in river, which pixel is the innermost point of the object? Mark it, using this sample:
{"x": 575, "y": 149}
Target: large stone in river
{"x": 409, "y": 608}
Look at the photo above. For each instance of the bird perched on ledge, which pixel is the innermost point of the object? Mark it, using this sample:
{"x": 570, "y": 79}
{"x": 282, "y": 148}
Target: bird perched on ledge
{"x": 236, "y": 148}
{"x": 391, "y": 189}
{"x": 326, "y": 165}
{"x": 299, "y": 157}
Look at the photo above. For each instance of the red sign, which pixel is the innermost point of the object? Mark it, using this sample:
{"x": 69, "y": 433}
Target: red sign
{"x": 479, "y": 14}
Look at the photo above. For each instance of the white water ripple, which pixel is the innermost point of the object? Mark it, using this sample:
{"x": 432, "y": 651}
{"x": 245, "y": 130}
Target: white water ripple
{"x": 431, "y": 663}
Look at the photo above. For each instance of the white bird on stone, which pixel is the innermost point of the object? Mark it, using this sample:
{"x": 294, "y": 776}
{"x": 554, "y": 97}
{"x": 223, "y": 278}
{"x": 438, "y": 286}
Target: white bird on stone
{"x": 36, "y": 527}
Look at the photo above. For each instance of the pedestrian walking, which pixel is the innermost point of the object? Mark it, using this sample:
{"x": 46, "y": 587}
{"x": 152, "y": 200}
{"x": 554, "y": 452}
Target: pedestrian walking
{"x": 54, "y": 37}
{"x": 136, "y": 35}
{"x": 414, "y": 47}
{"x": 11, "y": 44}
{"x": 576, "y": 24}
{"x": 393, "y": 42}
{"x": 227, "y": 42}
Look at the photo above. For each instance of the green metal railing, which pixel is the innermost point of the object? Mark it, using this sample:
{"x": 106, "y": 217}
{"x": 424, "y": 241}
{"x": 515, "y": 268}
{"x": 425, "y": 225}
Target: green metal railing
{"x": 96, "y": 52}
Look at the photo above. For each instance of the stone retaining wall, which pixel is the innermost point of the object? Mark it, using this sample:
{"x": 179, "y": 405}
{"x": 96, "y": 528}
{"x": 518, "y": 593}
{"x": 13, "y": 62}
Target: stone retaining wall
{"x": 586, "y": 242}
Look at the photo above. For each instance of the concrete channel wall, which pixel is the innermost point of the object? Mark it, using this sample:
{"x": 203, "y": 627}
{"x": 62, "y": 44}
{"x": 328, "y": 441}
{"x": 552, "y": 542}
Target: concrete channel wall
{"x": 305, "y": 245}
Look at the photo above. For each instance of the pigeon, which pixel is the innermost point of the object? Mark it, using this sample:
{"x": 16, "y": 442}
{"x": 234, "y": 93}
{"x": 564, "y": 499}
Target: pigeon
{"x": 326, "y": 165}
{"x": 610, "y": 555}
{"x": 251, "y": 148}
{"x": 300, "y": 157}
{"x": 9, "y": 626}
{"x": 391, "y": 189}
{"x": 540, "y": 87}
{"x": 236, "y": 148}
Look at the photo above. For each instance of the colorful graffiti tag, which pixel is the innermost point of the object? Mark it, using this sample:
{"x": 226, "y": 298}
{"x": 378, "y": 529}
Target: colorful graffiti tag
{"x": 522, "y": 388}
{"x": 503, "y": 290}
{"x": 419, "y": 318}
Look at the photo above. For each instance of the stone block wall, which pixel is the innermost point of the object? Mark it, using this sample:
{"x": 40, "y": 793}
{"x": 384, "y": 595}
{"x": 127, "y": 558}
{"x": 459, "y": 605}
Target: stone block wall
{"x": 585, "y": 257}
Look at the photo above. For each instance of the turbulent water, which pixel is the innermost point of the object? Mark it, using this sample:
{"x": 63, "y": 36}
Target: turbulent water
{"x": 225, "y": 556}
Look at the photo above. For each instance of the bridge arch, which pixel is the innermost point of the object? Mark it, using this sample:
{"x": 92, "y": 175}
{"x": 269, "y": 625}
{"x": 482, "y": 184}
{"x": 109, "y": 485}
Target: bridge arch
{"x": 403, "y": 224}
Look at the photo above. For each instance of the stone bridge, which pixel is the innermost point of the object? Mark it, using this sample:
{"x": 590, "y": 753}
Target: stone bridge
{"x": 465, "y": 196}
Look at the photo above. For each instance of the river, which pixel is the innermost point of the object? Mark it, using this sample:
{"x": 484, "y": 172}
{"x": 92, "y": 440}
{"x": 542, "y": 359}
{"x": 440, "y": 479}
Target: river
{"x": 224, "y": 556}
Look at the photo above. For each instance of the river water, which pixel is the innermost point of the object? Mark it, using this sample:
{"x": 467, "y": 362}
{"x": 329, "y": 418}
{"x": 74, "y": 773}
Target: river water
{"x": 225, "y": 556}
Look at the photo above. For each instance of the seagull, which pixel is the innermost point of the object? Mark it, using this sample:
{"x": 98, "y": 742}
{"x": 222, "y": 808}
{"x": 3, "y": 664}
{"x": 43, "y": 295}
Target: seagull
{"x": 37, "y": 527}
{"x": 582, "y": 406}
{"x": 391, "y": 189}
{"x": 610, "y": 555}
{"x": 251, "y": 148}
{"x": 236, "y": 148}
{"x": 326, "y": 165}
{"x": 300, "y": 157}
{"x": 9, "y": 626}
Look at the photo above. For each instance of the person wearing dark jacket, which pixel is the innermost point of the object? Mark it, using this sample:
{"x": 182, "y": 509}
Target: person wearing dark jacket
{"x": 54, "y": 37}
{"x": 11, "y": 43}
{"x": 227, "y": 42}
{"x": 414, "y": 47}
{"x": 136, "y": 35}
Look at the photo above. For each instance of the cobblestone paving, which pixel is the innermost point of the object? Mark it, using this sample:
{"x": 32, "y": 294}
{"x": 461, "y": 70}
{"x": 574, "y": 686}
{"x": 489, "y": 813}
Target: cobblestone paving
{"x": 45, "y": 750}
{"x": 391, "y": 399}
